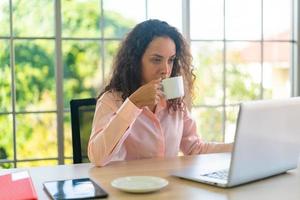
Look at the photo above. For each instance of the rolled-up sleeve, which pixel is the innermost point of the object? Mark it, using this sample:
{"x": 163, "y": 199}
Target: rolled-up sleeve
{"x": 109, "y": 130}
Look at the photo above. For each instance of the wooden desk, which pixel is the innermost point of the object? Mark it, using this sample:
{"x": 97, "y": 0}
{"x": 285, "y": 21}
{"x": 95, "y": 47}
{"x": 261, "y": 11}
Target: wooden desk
{"x": 285, "y": 186}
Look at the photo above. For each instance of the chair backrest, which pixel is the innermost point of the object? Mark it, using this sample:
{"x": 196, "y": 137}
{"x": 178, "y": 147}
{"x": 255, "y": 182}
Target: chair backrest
{"x": 82, "y": 113}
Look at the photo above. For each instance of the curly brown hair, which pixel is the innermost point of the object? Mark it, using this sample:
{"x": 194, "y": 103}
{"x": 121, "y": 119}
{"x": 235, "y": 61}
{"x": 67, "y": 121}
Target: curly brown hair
{"x": 127, "y": 70}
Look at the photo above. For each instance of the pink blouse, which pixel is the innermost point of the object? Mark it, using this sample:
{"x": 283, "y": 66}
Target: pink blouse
{"x": 122, "y": 131}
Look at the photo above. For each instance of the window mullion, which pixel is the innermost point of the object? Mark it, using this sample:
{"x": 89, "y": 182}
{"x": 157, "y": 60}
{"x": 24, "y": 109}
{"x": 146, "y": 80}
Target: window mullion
{"x": 296, "y": 49}
{"x": 13, "y": 85}
{"x": 224, "y": 73}
{"x": 59, "y": 82}
{"x": 186, "y": 20}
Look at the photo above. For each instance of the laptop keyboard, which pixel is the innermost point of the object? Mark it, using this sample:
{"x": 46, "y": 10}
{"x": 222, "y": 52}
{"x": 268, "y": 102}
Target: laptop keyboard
{"x": 222, "y": 174}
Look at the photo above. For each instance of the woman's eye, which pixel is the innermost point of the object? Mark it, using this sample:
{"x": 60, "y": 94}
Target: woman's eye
{"x": 156, "y": 60}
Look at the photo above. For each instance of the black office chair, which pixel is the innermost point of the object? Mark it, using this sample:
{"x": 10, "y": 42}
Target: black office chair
{"x": 82, "y": 113}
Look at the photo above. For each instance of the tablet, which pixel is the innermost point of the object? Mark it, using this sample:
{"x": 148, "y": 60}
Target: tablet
{"x": 83, "y": 188}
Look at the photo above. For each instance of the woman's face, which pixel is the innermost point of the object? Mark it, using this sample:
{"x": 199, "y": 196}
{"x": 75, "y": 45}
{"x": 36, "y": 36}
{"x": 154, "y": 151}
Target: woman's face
{"x": 158, "y": 59}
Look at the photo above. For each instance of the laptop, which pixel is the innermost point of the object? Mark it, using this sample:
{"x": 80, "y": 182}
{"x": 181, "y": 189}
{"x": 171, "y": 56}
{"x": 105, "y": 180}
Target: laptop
{"x": 267, "y": 143}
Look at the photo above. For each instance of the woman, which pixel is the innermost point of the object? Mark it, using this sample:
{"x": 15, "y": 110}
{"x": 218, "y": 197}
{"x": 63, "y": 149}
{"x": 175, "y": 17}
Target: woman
{"x": 133, "y": 120}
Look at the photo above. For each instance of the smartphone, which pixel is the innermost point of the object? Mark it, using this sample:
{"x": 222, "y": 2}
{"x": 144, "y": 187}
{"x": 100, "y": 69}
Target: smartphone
{"x": 83, "y": 188}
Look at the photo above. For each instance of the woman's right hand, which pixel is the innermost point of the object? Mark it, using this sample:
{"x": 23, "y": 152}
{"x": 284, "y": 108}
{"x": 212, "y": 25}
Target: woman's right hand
{"x": 147, "y": 95}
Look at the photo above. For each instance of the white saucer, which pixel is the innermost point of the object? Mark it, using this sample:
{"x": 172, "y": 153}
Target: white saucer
{"x": 139, "y": 184}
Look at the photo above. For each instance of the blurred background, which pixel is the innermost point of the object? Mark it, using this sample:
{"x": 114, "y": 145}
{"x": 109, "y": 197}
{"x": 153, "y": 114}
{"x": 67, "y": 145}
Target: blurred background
{"x": 52, "y": 51}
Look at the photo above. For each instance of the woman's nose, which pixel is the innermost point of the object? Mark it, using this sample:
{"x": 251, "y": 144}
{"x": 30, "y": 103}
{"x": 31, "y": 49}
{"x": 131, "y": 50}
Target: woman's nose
{"x": 165, "y": 69}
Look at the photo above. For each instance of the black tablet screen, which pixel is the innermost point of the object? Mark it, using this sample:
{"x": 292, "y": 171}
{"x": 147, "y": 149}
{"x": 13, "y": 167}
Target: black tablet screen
{"x": 83, "y": 188}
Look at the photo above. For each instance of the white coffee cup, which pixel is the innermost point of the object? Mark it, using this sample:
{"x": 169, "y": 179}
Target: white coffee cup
{"x": 173, "y": 87}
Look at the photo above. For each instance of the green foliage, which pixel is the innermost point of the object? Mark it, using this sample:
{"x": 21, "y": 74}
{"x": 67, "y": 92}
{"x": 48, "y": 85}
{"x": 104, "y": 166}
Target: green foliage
{"x": 34, "y": 72}
{"x": 5, "y": 77}
{"x": 209, "y": 123}
{"x": 81, "y": 66}
{"x": 116, "y": 26}
{"x": 241, "y": 85}
{"x": 6, "y": 145}
{"x": 4, "y": 18}
{"x": 81, "y": 18}
{"x": 36, "y": 136}
{"x": 208, "y": 71}
{"x": 33, "y": 18}
{"x": 3, "y": 155}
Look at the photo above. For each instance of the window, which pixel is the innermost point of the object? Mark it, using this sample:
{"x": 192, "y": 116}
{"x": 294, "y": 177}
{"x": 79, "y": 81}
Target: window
{"x": 242, "y": 51}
